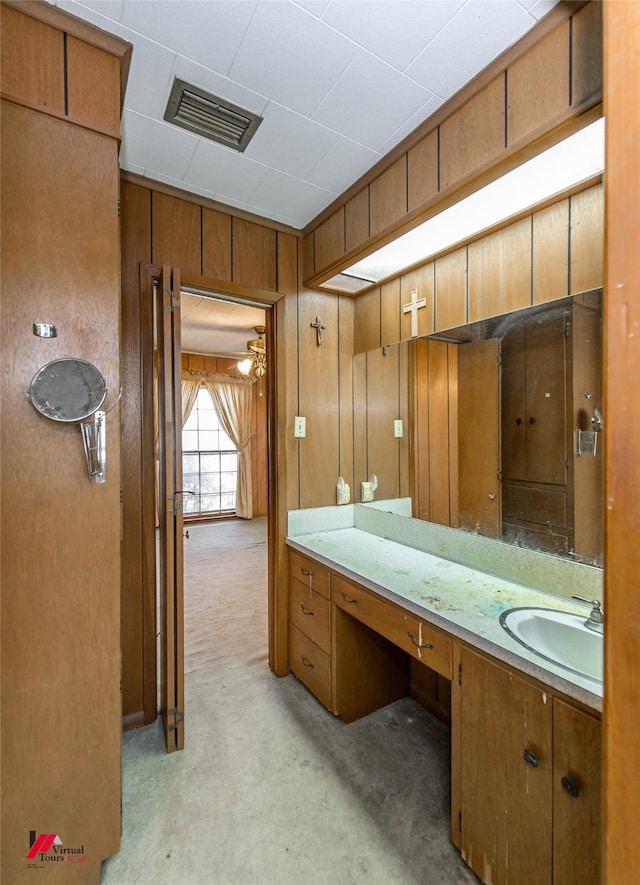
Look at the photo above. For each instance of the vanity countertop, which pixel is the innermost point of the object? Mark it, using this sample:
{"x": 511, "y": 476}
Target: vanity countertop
{"x": 462, "y": 600}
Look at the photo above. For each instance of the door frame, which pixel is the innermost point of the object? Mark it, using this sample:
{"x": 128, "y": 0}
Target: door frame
{"x": 266, "y": 300}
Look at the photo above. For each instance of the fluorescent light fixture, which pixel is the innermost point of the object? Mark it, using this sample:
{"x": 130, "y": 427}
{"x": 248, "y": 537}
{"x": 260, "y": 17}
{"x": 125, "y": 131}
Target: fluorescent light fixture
{"x": 578, "y": 158}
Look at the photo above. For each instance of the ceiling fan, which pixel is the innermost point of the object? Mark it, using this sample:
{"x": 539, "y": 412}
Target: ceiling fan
{"x": 255, "y": 362}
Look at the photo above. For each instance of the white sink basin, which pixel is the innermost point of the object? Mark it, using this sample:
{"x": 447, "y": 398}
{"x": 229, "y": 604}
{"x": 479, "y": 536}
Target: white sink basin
{"x": 559, "y": 637}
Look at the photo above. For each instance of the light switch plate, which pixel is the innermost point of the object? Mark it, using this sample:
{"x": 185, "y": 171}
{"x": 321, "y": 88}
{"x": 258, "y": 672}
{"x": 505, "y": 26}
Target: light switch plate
{"x": 299, "y": 427}
{"x": 367, "y": 492}
{"x": 398, "y": 430}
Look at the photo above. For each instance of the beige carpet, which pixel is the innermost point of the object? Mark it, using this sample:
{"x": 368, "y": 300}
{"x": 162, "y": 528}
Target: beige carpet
{"x": 271, "y": 789}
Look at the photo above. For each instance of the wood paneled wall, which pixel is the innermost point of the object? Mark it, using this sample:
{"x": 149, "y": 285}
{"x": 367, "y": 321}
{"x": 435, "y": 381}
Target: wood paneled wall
{"x": 549, "y": 254}
{"x": 534, "y": 89}
{"x": 622, "y": 480}
{"x": 199, "y": 363}
{"x": 60, "y": 532}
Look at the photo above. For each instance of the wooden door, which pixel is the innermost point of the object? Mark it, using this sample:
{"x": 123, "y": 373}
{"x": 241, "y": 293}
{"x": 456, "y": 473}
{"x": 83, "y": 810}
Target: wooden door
{"x": 479, "y": 493}
{"x": 577, "y": 796}
{"x": 167, "y": 314}
{"x": 505, "y": 732}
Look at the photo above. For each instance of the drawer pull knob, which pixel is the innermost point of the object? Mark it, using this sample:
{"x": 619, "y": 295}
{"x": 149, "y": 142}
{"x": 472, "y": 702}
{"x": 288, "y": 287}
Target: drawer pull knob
{"x": 306, "y": 611}
{"x": 306, "y": 573}
{"x": 348, "y": 598}
{"x": 530, "y": 758}
{"x": 307, "y": 662}
{"x": 570, "y": 786}
{"x": 417, "y": 642}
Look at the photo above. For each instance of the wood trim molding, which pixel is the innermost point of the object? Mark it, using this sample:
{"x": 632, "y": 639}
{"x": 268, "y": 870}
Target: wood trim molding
{"x": 60, "y": 115}
{"x": 233, "y": 290}
{"x": 561, "y": 12}
{"x": 170, "y": 191}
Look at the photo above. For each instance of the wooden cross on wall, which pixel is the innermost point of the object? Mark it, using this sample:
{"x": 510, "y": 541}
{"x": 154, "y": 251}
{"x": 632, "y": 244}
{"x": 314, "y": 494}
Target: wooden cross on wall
{"x": 413, "y": 307}
{"x": 318, "y": 327}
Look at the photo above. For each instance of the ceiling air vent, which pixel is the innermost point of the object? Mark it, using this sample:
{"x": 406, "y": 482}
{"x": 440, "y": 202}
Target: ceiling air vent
{"x": 210, "y": 116}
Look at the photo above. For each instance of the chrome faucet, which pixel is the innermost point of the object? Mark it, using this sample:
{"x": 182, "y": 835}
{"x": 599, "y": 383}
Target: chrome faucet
{"x": 595, "y": 621}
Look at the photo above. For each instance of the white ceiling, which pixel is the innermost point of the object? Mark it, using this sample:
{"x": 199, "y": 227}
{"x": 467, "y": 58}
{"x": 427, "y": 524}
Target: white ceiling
{"x": 338, "y": 83}
{"x": 210, "y": 326}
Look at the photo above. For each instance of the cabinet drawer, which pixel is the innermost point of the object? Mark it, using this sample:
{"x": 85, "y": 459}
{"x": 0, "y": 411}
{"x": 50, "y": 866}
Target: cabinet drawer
{"x": 420, "y": 639}
{"x": 309, "y": 572}
{"x": 311, "y": 613}
{"x": 310, "y": 664}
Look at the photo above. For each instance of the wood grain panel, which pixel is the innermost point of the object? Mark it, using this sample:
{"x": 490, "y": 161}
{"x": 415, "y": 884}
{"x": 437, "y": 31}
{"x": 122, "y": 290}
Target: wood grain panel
{"x": 622, "y": 477}
{"x": 254, "y": 255}
{"x": 551, "y": 253}
{"x": 404, "y": 413}
{"x": 422, "y": 171}
{"x": 422, "y": 280}
{"x": 60, "y": 747}
{"x": 357, "y": 220}
{"x": 32, "y": 60}
{"x": 135, "y": 221}
{"x": 453, "y": 367}
{"x": 473, "y": 135}
{"x": 383, "y": 450}
{"x": 345, "y": 380}
{"x": 390, "y": 312}
{"x": 330, "y": 238}
{"x": 586, "y": 52}
{"x": 577, "y": 755}
{"x": 176, "y": 228}
{"x": 309, "y": 258}
{"x": 439, "y": 493}
{"x": 420, "y": 429}
{"x": 93, "y": 85}
{"x": 538, "y": 84}
{"x": 388, "y": 196}
{"x": 500, "y": 272}
{"x": 366, "y": 332}
{"x": 360, "y": 467}
{"x": 318, "y": 400}
{"x": 216, "y": 244}
{"x": 451, "y": 290}
{"x": 587, "y": 240}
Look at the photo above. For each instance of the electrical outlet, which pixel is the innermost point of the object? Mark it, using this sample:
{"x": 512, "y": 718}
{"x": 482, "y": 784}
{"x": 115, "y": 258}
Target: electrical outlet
{"x": 398, "y": 430}
{"x": 299, "y": 427}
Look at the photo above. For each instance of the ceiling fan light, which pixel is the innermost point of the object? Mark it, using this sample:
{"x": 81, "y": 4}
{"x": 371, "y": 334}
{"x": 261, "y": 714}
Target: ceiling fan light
{"x": 244, "y": 366}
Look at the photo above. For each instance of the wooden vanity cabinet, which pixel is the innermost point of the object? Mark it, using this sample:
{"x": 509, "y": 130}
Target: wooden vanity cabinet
{"x": 528, "y": 779}
{"x": 310, "y": 626}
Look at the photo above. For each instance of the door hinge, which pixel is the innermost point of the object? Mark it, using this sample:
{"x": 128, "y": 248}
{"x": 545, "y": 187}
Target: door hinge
{"x": 499, "y": 474}
{"x": 499, "y": 359}
{"x": 460, "y": 674}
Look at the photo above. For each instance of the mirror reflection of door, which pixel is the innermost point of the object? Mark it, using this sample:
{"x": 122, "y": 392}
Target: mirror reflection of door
{"x": 479, "y": 437}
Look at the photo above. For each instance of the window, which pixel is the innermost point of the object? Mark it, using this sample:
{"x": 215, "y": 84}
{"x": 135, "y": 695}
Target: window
{"x": 209, "y": 461}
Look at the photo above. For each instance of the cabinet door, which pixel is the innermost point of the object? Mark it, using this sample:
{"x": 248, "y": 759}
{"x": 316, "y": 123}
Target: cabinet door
{"x": 506, "y": 769}
{"x": 577, "y": 761}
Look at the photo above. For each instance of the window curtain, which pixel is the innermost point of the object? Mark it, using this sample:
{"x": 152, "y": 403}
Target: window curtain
{"x": 190, "y": 388}
{"x": 232, "y": 399}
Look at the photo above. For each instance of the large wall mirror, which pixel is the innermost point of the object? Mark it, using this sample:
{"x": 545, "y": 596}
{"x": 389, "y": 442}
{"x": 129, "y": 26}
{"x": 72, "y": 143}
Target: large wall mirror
{"x": 507, "y": 427}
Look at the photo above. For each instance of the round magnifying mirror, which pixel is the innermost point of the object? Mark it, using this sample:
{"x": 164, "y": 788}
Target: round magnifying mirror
{"x": 68, "y": 390}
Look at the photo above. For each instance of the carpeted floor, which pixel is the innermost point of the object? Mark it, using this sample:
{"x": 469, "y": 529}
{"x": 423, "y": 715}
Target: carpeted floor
{"x": 271, "y": 789}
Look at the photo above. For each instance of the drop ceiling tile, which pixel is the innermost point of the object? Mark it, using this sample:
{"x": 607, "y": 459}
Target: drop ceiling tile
{"x": 370, "y": 101}
{"x": 207, "y": 31}
{"x": 178, "y": 183}
{"x": 220, "y": 85}
{"x": 283, "y": 196}
{"x": 223, "y": 171}
{"x": 132, "y": 167}
{"x": 412, "y": 123}
{"x": 315, "y": 7}
{"x": 112, "y": 9}
{"x": 343, "y": 165}
{"x": 150, "y": 77}
{"x": 541, "y": 8}
{"x": 480, "y": 32}
{"x": 304, "y": 60}
{"x": 396, "y": 32}
{"x": 289, "y": 142}
{"x": 156, "y": 146}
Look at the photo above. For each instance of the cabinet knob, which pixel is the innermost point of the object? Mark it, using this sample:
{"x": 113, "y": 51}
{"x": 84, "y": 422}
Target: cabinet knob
{"x": 492, "y": 496}
{"x": 570, "y": 786}
{"x": 348, "y": 599}
{"x": 417, "y": 642}
{"x": 307, "y": 662}
{"x": 530, "y": 757}
{"x": 306, "y": 572}
{"x": 306, "y": 611}
{"x": 532, "y": 420}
